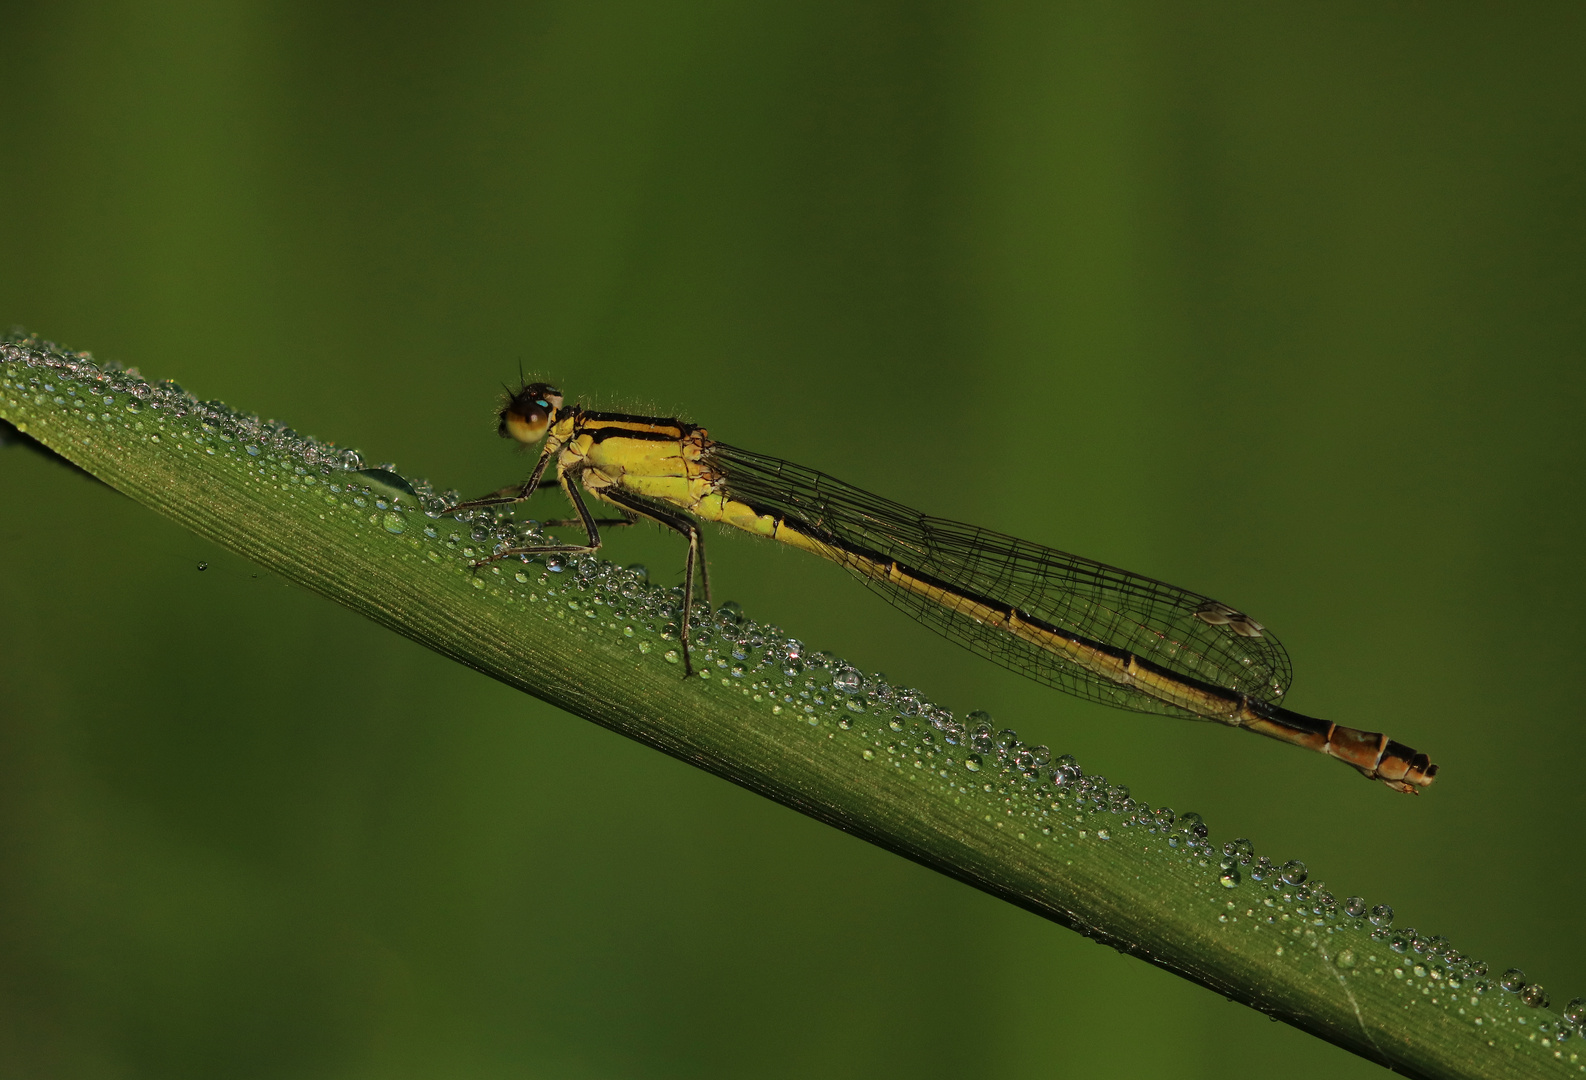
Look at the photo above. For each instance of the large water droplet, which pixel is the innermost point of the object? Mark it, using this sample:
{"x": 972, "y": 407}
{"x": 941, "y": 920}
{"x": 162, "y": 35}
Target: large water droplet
{"x": 1575, "y": 1011}
{"x": 980, "y": 733}
{"x": 1355, "y": 907}
{"x": 1382, "y": 915}
{"x": 1534, "y": 996}
{"x": 1066, "y": 778}
{"x": 847, "y": 681}
{"x": 1512, "y": 980}
{"x": 1240, "y": 850}
{"x": 1294, "y": 872}
{"x": 1229, "y": 877}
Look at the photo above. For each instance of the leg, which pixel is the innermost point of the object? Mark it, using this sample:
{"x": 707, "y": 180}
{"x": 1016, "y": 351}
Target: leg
{"x": 522, "y": 493}
{"x": 591, "y": 531}
{"x": 678, "y": 522}
{"x": 562, "y": 523}
{"x": 704, "y": 574}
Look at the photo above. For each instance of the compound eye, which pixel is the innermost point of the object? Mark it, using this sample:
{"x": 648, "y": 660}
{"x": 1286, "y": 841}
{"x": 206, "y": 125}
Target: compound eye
{"x": 530, "y": 413}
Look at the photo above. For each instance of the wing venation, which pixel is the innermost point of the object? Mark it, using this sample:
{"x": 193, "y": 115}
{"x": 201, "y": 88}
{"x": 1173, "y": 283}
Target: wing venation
{"x": 1184, "y": 632}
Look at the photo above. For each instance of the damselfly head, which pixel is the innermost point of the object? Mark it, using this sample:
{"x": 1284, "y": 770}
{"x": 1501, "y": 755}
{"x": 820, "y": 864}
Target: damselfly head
{"x": 529, "y": 412}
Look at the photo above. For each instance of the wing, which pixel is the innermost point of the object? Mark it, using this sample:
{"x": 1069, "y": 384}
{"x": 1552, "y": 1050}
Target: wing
{"x": 1184, "y": 632}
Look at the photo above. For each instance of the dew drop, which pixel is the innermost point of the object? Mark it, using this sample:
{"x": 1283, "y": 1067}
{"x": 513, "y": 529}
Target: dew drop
{"x": 1345, "y": 959}
{"x": 203, "y": 566}
{"x": 1241, "y": 851}
{"x": 1294, "y": 872}
{"x": 1512, "y": 980}
{"x": 979, "y": 724}
{"x": 671, "y": 656}
{"x": 1229, "y": 877}
{"x": 1382, "y": 915}
{"x": 1575, "y": 1011}
{"x": 847, "y": 681}
{"x": 1355, "y": 907}
{"x": 394, "y": 524}
{"x": 972, "y": 762}
{"x": 1534, "y": 996}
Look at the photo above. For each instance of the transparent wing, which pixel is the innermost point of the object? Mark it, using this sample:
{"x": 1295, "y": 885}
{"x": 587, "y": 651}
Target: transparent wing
{"x": 1184, "y": 632}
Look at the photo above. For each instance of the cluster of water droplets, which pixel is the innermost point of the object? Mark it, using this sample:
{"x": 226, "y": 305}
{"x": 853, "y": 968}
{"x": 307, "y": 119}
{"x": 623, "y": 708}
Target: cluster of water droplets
{"x": 1424, "y": 956}
{"x": 1038, "y": 792}
{"x": 105, "y": 393}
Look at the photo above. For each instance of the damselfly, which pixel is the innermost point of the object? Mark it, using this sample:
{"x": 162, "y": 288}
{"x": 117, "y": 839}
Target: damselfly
{"x": 1081, "y": 626}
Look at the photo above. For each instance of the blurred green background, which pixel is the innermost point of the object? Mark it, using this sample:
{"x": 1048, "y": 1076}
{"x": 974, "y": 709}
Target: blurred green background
{"x": 1282, "y": 304}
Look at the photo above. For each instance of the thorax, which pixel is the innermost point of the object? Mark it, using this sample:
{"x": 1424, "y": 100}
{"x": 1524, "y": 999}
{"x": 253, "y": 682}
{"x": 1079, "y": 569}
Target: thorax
{"x": 646, "y": 456}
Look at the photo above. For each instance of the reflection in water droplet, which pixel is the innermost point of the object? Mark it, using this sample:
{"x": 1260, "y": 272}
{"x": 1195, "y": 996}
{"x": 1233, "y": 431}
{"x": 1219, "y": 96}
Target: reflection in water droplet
{"x": 972, "y": 762}
{"x": 1229, "y": 877}
{"x": 1534, "y": 996}
{"x": 1575, "y": 1011}
{"x": 1512, "y": 980}
{"x": 1382, "y": 915}
{"x": 1355, "y": 907}
{"x": 1294, "y": 872}
{"x": 394, "y": 524}
{"x": 1240, "y": 850}
{"x": 847, "y": 681}
{"x": 671, "y": 656}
